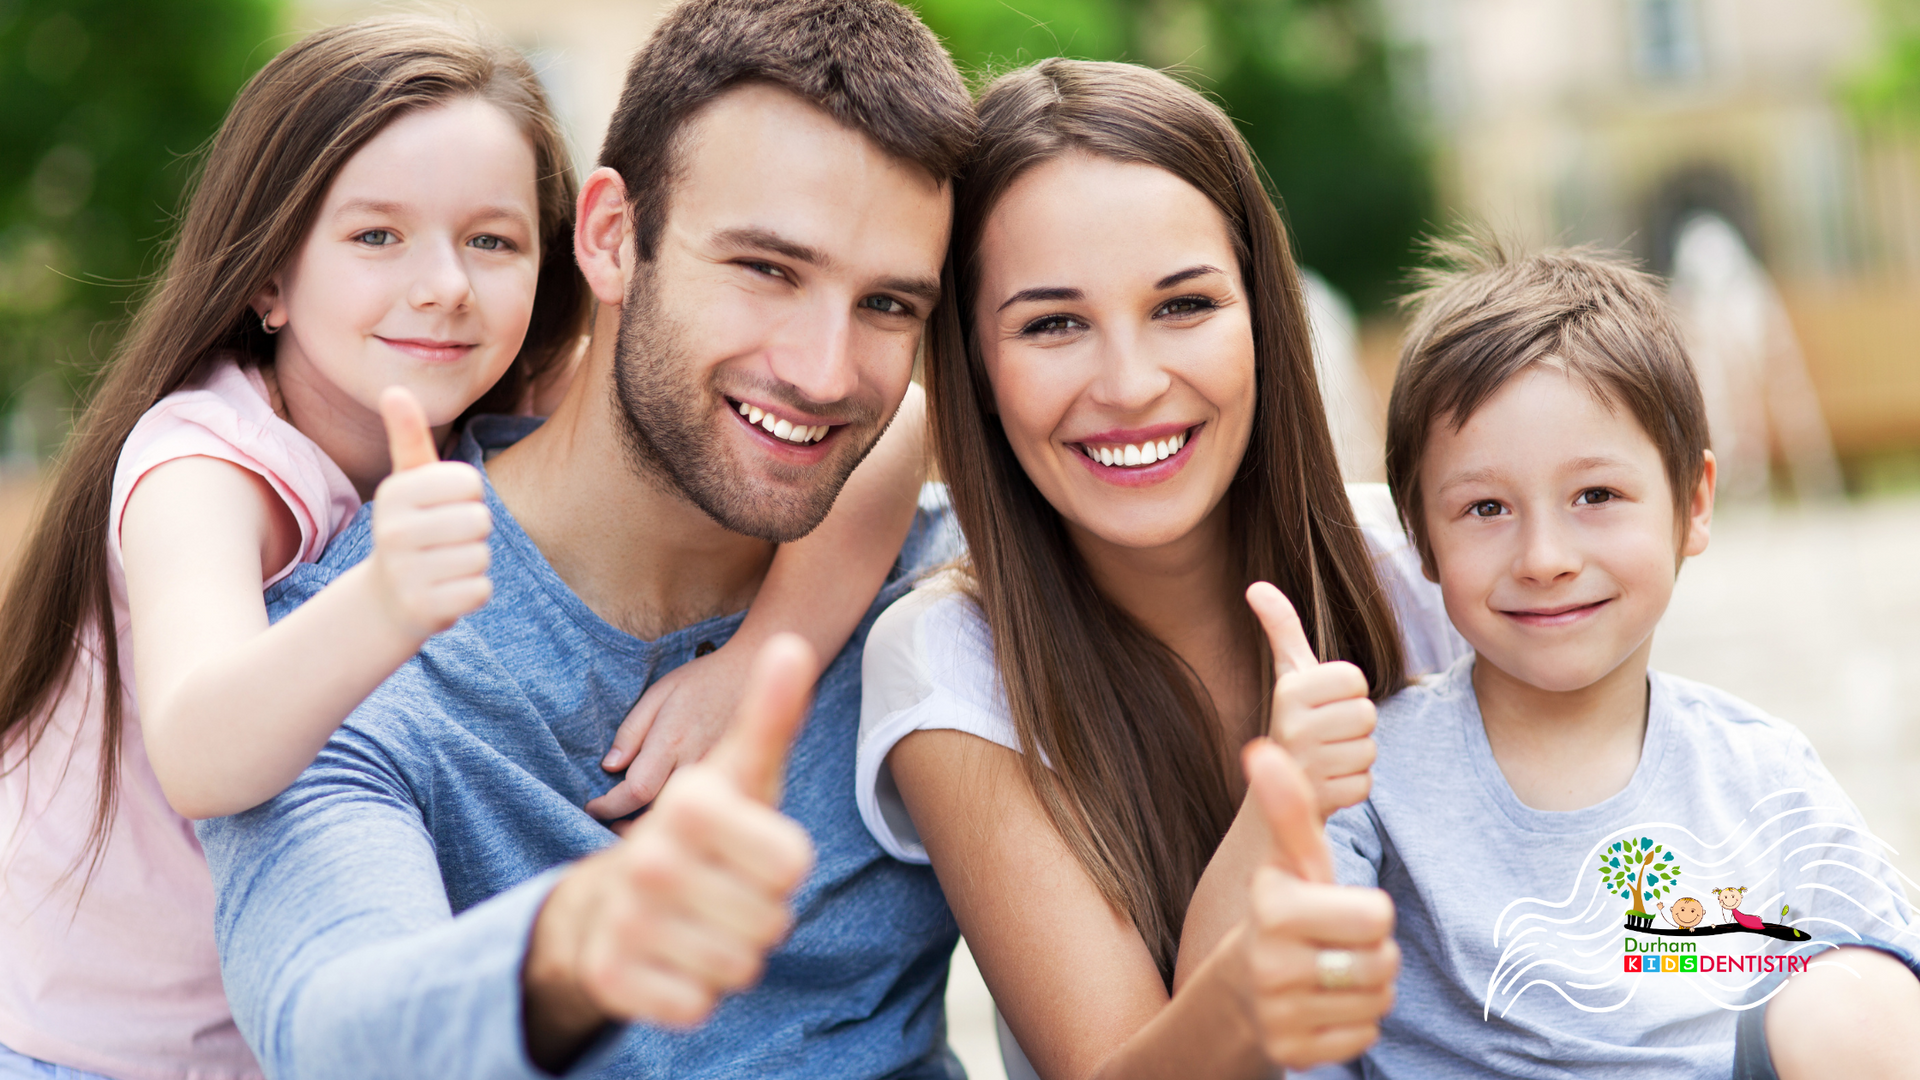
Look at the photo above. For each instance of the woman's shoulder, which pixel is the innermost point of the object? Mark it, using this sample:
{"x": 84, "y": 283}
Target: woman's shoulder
{"x": 933, "y": 637}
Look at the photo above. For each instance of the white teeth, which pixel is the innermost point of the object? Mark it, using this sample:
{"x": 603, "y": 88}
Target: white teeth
{"x": 783, "y": 428}
{"x": 1106, "y": 456}
{"x": 754, "y": 414}
{"x": 1161, "y": 448}
{"x": 1130, "y": 456}
{"x": 1145, "y": 453}
{"x": 745, "y": 408}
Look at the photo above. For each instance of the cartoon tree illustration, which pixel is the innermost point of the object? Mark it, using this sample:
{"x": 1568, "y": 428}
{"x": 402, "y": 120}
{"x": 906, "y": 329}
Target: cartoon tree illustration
{"x": 1638, "y": 870}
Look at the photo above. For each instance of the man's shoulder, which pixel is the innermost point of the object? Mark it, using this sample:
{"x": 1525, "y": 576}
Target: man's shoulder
{"x": 354, "y": 543}
{"x": 932, "y": 540}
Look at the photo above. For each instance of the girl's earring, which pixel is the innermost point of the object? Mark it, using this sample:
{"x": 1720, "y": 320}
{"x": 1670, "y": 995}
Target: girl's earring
{"x": 267, "y": 326}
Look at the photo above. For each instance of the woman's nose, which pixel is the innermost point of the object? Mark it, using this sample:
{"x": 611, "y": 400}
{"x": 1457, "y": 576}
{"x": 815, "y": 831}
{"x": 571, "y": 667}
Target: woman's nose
{"x": 1130, "y": 377}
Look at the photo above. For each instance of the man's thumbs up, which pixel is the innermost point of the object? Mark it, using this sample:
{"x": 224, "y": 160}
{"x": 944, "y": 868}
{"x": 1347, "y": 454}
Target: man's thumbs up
{"x": 1321, "y": 711}
{"x": 753, "y": 754}
{"x": 430, "y": 527}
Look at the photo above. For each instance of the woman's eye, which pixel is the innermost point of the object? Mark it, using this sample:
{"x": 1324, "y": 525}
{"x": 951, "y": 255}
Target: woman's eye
{"x": 1186, "y": 305}
{"x": 886, "y": 305}
{"x": 1485, "y": 508}
{"x": 490, "y": 243}
{"x": 375, "y": 237}
{"x": 1591, "y": 496}
{"x": 1052, "y": 324}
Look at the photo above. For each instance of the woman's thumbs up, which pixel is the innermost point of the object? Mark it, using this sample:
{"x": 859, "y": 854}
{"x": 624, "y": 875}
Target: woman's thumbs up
{"x": 1321, "y": 711}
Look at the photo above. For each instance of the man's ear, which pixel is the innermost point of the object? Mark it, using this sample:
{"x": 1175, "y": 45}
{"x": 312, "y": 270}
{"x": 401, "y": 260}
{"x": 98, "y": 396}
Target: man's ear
{"x": 603, "y": 236}
{"x": 1700, "y": 509}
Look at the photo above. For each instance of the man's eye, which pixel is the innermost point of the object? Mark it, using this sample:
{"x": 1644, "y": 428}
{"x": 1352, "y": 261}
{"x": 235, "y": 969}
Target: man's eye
{"x": 375, "y": 237}
{"x": 489, "y": 243}
{"x": 1591, "y": 496}
{"x": 886, "y": 305}
{"x": 1185, "y": 305}
{"x": 1052, "y": 324}
{"x": 1485, "y": 508}
{"x": 768, "y": 269}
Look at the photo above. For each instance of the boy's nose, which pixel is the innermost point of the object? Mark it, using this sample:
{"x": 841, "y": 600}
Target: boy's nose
{"x": 1547, "y": 552}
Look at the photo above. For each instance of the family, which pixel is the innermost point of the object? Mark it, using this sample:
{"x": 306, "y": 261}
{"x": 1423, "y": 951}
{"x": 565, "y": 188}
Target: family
{"x": 491, "y": 625}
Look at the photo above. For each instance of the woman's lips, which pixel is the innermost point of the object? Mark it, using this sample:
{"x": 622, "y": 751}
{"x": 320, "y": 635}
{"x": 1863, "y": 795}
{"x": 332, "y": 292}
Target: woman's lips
{"x": 1558, "y": 615}
{"x": 1108, "y": 455}
{"x": 430, "y": 350}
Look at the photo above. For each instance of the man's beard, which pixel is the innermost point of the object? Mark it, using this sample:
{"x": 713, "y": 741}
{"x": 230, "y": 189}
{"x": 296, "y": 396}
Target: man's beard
{"x": 672, "y": 432}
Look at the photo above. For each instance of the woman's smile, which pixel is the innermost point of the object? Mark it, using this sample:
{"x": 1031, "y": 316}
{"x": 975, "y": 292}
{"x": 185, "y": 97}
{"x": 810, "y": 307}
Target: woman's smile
{"x": 1139, "y": 457}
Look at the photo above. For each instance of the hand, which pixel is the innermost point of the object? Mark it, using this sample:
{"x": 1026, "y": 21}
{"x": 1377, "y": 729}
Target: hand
{"x": 685, "y": 907}
{"x": 1321, "y": 712}
{"x": 430, "y": 527}
{"x": 1297, "y": 914}
{"x": 680, "y": 717}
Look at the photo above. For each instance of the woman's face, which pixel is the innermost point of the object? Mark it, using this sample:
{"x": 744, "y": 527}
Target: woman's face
{"x": 1116, "y": 333}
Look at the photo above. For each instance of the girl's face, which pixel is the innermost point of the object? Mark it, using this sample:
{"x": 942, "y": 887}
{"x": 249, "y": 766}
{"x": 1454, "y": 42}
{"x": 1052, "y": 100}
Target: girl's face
{"x": 1115, "y": 330}
{"x": 419, "y": 269}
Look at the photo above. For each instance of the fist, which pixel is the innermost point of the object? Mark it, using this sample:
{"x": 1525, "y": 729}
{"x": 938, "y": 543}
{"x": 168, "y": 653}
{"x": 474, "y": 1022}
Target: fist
{"x": 430, "y": 528}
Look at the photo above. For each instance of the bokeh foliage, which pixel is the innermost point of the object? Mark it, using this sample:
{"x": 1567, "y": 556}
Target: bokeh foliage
{"x": 101, "y": 104}
{"x": 1306, "y": 80}
{"x": 1889, "y": 89}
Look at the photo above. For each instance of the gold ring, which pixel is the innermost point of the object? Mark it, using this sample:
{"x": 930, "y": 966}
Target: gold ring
{"x": 1334, "y": 967}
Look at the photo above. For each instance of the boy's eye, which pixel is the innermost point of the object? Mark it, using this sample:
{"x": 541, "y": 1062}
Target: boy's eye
{"x": 1485, "y": 508}
{"x": 375, "y": 237}
{"x": 886, "y": 305}
{"x": 1591, "y": 496}
{"x": 1185, "y": 305}
{"x": 1053, "y": 324}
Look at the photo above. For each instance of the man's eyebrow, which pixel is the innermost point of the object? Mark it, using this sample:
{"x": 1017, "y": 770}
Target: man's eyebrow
{"x": 1188, "y": 274}
{"x": 926, "y": 289}
{"x": 758, "y": 239}
{"x": 1044, "y": 292}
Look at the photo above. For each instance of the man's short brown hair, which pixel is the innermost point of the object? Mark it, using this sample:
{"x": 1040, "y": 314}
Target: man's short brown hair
{"x": 1484, "y": 314}
{"x": 870, "y": 64}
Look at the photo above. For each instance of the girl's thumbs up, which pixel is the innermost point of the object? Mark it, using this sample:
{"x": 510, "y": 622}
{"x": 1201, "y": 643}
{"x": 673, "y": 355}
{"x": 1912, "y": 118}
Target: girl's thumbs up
{"x": 1291, "y": 812}
{"x": 409, "y": 438}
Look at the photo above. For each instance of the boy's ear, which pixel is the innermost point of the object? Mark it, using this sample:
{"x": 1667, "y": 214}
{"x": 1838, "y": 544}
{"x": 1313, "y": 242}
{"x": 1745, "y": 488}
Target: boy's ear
{"x": 1700, "y": 508}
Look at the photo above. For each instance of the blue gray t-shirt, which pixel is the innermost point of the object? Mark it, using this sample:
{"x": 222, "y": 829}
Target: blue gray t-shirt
{"x": 372, "y": 919}
{"x": 1557, "y": 944}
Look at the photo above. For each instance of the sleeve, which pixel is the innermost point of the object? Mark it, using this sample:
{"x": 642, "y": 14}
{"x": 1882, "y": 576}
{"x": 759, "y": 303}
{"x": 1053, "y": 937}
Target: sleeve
{"x": 927, "y": 666}
{"x": 1837, "y": 882}
{"x": 1353, "y": 838}
{"x": 1431, "y": 642}
{"x": 338, "y": 948}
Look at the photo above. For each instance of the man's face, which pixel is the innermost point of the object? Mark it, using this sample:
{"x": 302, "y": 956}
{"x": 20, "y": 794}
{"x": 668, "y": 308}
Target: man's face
{"x": 767, "y": 345}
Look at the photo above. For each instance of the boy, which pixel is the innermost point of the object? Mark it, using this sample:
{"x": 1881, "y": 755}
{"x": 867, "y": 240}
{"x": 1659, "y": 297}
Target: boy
{"x": 1532, "y": 805}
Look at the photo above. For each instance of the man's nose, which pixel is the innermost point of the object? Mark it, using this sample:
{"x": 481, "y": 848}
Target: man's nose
{"x": 441, "y": 280}
{"x": 813, "y": 353}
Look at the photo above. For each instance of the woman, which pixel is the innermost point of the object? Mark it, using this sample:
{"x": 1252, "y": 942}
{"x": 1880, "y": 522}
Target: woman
{"x": 1124, "y": 403}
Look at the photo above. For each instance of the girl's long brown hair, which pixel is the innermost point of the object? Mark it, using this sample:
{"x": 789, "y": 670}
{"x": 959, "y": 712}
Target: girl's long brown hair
{"x": 1138, "y": 779}
{"x": 263, "y": 177}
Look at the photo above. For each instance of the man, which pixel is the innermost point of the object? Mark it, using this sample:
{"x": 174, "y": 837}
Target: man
{"x": 429, "y": 899}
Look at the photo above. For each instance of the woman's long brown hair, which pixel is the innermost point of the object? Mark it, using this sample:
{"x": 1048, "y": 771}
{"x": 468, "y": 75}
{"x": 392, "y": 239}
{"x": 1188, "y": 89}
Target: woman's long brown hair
{"x": 263, "y": 177}
{"x": 1139, "y": 784}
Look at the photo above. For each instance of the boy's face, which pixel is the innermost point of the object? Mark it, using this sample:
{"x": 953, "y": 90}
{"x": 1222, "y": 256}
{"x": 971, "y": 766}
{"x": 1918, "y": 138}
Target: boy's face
{"x": 1552, "y": 528}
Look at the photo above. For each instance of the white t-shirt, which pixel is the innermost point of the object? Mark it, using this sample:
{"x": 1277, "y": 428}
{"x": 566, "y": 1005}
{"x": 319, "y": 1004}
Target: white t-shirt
{"x": 929, "y": 665}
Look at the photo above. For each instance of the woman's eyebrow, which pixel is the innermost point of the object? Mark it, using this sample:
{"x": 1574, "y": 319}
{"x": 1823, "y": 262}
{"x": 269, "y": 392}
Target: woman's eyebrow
{"x": 1045, "y": 292}
{"x": 1188, "y": 274}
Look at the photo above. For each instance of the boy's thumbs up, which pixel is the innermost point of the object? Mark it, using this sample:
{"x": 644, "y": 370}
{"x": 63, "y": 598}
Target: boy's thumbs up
{"x": 1291, "y": 812}
{"x": 409, "y": 438}
{"x": 1291, "y": 650}
{"x": 753, "y": 754}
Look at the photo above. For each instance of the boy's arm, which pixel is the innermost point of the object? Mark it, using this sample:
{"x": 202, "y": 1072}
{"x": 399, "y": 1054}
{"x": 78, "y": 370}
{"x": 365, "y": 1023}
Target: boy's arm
{"x": 819, "y": 587}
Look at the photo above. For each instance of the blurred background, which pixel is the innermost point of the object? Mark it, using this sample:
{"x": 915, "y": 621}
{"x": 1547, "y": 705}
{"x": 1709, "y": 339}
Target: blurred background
{"x": 1763, "y": 155}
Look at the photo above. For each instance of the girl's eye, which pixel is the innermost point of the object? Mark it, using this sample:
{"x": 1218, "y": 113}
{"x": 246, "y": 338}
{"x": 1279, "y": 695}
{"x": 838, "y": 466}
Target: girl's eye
{"x": 1593, "y": 496}
{"x": 1053, "y": 324}
{"x": 1485, "y": 508}
{"x": 886, "y": 305}
{"x": 1186, "y": 305}
{"x": 376, "y": 237}
{"x": 490, "y": 243}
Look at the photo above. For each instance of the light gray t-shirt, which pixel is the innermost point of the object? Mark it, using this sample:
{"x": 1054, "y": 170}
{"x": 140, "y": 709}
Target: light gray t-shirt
{"x": 1519, "y": 959}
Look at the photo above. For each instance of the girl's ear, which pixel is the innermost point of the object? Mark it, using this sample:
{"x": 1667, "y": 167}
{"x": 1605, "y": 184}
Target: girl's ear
{"x": 266, "y": 304}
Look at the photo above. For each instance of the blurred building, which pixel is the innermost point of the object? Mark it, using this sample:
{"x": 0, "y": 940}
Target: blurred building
{"x": 1621, "y": 121}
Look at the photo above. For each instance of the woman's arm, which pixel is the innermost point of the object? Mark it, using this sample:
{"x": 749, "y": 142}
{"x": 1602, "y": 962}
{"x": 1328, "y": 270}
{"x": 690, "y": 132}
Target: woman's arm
{"x": 233, "y": 709}
{"x": 1074, "y": 978}
{"x": 819, "y": 587}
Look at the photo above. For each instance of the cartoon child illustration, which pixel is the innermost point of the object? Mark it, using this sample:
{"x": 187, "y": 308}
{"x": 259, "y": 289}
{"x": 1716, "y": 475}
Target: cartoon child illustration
{"x": 1730, "y": 900}
{"x": 1686, "y": 912}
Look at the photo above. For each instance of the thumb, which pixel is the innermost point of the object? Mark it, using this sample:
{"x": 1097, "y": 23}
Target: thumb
{"x": 409, "y": 440}
{"x": 753, "y": 754}
{"x": 1288, "y": 806}
{"x": 1285, "y": 637}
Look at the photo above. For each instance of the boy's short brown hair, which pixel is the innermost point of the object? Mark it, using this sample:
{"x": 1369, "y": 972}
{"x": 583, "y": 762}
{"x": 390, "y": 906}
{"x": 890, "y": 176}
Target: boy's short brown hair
{"x": 1484, "y": 313}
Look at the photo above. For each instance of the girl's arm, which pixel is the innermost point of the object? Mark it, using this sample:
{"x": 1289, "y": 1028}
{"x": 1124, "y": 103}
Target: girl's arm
{"x": 819, "y": 587}
{"x": 1075, "y": 980}
{"x": 233, "y": 709}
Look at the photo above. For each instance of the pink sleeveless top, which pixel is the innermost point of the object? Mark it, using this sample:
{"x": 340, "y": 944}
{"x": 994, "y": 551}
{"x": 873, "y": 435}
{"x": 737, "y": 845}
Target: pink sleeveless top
{"x": 122, "y": 978}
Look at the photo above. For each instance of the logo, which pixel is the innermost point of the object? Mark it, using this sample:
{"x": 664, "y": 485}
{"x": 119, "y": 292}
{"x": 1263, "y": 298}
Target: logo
{"x": 1641, "y": 871}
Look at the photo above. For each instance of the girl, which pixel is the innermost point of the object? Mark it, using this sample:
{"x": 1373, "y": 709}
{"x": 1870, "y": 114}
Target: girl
{"x": 379, "y": 246}
{"x": 1125, "y": 408}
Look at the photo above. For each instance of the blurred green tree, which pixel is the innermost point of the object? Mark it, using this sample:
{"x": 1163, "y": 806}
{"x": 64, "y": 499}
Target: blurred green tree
{"x": 104, "y": 102}
{"x": 1306, "y": 80}
{"x": 1889, "y": 89}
